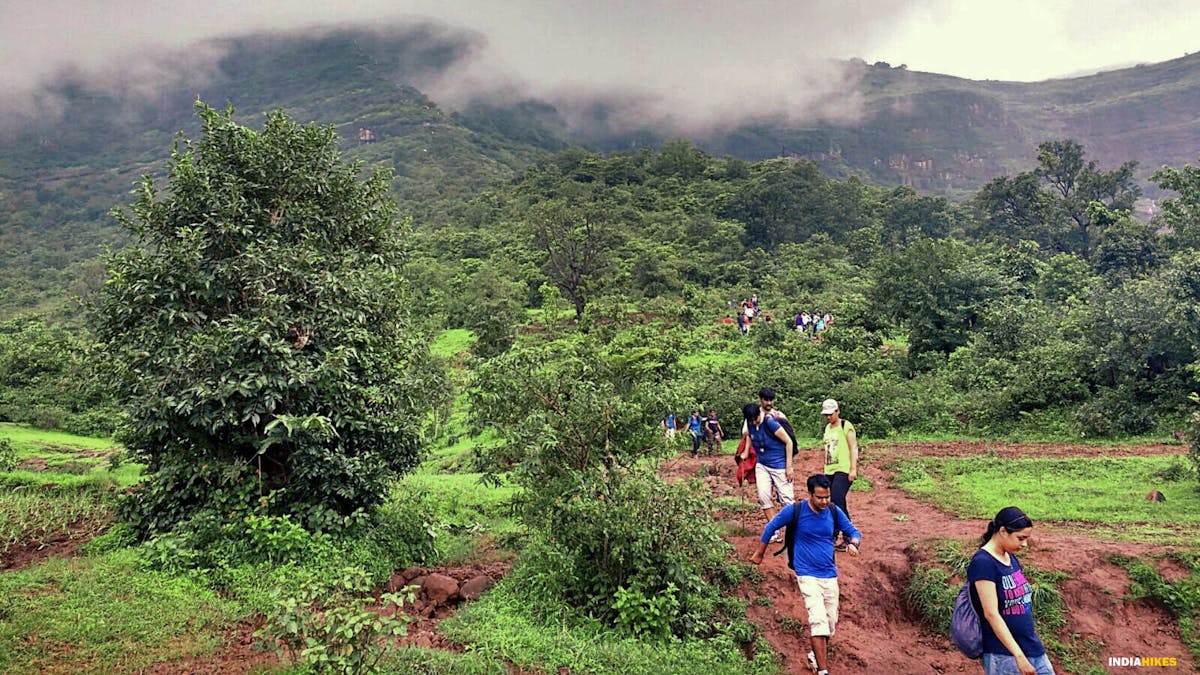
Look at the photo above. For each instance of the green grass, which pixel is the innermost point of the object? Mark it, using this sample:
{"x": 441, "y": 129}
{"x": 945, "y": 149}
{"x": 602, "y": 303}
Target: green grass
{"x": 499, "y": 627}
{"x": 28, "y": 438}
{"x": 415, "y": 661}
{"x": 32, "y": 517}
{"x": 68, "y": 463}
{"x": 450, "y": 343}
{"x": 476, "y": 520}
{"x": 104, "y": 614}
{"x": 1107, "y": 493}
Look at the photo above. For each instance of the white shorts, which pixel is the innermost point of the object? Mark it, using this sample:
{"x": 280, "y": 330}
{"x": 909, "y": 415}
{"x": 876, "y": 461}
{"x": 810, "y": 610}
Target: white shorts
{"x": 821, "y": 601}
{"x": 766, "y": 479}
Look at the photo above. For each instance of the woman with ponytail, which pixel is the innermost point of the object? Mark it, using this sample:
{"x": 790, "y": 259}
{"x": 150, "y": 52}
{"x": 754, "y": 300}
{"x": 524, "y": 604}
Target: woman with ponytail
{"x": 1004, "y": 599}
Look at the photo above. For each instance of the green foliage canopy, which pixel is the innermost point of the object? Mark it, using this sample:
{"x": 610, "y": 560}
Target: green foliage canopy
{"x": 257, "y": 330}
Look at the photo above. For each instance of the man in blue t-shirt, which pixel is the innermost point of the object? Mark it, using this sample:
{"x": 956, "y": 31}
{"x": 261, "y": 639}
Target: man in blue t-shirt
{"x": 816, "y": 524}
{"x": 695, "y": 427}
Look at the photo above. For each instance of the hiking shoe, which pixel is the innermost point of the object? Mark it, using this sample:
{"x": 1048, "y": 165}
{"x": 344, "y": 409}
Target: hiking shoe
{"x": 812, "y": 661}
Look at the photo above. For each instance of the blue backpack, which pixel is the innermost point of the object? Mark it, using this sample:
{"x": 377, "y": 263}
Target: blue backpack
{"x": 965, "y": 631}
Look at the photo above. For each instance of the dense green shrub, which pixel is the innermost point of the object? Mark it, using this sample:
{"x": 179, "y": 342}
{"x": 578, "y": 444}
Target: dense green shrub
{"x": 633, "y": 551}
{"x": 257, "y": 332}
{"x": 610, "y": 540}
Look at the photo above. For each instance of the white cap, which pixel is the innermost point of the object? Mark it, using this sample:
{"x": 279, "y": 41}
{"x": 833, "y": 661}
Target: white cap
{"x": 829, "y": 407}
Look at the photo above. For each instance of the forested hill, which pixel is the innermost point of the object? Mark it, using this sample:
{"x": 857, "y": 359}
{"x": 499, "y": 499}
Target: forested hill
{"x": 61, "y": 175}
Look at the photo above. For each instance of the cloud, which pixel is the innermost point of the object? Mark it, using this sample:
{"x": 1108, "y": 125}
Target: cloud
{"x": 686, "y": 65}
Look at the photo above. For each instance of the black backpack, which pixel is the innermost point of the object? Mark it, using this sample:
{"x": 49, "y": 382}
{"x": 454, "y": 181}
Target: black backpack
{"x": 789, "y": 532}
{"x": 787, "y": 428}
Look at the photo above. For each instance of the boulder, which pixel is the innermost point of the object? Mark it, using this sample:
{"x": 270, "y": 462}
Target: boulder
{"x": 475, "y": 587}
{"x": 439, "y": 588}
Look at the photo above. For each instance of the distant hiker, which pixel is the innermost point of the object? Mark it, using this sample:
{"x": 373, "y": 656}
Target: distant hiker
{"x": 1003, "y": 598}
{"x": 828, "y": 319}
{"x": 801, "y": 321}
{"x": 741, "y": 323}
{"x": 814, "y": 523}
{"x": 695, "y": 425}
{"x": 819, "y": 324}
{"x": 841, "y": 452}
{"x": 713, "y": 433}
{"x": 668, "y": 425}
{"x": 813, "y": 323}
{"x": 774, "y": 468}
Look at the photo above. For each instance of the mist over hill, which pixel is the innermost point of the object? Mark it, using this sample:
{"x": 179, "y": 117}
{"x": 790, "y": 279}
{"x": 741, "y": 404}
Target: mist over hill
{"x": 87, "y": 136}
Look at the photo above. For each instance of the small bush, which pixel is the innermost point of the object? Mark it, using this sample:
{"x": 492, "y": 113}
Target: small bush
{"x": 8, "y": 455}
{"x": 334, "y": 632}
{"x": 633, "y": 551}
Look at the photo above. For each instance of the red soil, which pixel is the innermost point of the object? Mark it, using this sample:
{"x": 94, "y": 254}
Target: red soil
{"x": 64, "y": 544}
{"x": 876, "y": 634}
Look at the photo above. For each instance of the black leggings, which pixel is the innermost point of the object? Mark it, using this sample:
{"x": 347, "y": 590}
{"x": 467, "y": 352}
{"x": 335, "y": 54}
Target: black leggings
{"x": 839, "y": 485}
{"x": 695, "y": 443}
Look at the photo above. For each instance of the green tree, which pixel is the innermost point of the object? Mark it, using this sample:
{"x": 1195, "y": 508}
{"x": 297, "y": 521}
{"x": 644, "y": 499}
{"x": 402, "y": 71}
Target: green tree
{"x": 907, "y": 215}
{"x": 577, "y": 237}
{"x": 1182, "y": 213}
{"x": 1125, "y": 248}
{"x": 1075, "y": 184}
{"x": 1014, "y": 208}
{"x": 256, "y": 331}
{"x": 937, "y": 289}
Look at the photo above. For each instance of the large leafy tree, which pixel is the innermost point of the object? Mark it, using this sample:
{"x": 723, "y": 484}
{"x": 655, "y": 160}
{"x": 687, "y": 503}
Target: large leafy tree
{"x": 1049, "y": 205}
{"x": 1076, "y": 183}
{"x": 256, "y": 330}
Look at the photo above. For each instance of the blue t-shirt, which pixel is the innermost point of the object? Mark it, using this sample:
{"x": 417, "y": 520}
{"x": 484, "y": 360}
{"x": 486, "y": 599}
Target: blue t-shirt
{"x": 772, "y": 452}
{"x": 812, "y": 551}
{"x": 694, "y": 424}
{"x": 1014, "y": 597}
{"x": 669, "y": 422}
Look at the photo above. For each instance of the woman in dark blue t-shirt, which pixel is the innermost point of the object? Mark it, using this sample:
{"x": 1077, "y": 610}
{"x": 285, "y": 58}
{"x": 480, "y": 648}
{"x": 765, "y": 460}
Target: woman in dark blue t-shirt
{"x": 1004, "y": 599}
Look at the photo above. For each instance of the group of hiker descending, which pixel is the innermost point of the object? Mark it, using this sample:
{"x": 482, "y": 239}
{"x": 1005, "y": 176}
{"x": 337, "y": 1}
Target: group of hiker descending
{"x": 813, "y": 323}
{"x": 993, "y": 618}
{"x": 749, "y": 310}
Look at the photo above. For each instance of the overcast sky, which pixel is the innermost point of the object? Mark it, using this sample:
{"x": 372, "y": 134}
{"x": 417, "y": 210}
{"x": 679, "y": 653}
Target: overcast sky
{"x": 687, "y": 52}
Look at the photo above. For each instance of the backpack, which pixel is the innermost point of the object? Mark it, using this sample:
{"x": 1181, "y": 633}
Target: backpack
{"x": 965, "y": 631}
{"x": 789, "y": 533}
{"x": 787, "y": 429}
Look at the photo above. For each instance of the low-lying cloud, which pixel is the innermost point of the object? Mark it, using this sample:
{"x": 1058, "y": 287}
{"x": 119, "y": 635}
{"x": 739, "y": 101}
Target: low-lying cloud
{"x": 683, "y": 66}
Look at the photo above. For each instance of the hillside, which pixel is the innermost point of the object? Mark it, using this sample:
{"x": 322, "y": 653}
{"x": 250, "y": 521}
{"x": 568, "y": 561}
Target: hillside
{"x": 950, "y": 135}
{"x": 942, "y": 134}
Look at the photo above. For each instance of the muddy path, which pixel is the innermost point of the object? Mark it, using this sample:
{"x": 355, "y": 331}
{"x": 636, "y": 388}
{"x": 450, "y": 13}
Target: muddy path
{"x": 876, "y": 633}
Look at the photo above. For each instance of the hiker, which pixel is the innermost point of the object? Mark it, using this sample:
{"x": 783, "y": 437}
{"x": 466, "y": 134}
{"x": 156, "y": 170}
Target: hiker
{"x": 841, "y": 453}
{"x": 774, "y": 468}
{"x": 1003, "y": 598}
{"x": 695, "y": 425}
{"x": 713, "y": 433}
{"x": 766, "y": 402}
{"x": 814, "y": 523}
{"x": 668, "y": 426}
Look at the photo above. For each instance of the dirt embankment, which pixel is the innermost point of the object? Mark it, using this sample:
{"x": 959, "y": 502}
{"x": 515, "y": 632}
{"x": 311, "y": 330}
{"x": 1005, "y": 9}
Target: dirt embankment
{"x": 877, "y": 634}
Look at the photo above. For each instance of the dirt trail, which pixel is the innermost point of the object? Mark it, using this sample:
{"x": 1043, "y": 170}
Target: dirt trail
{"x": 876, "y": 634}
